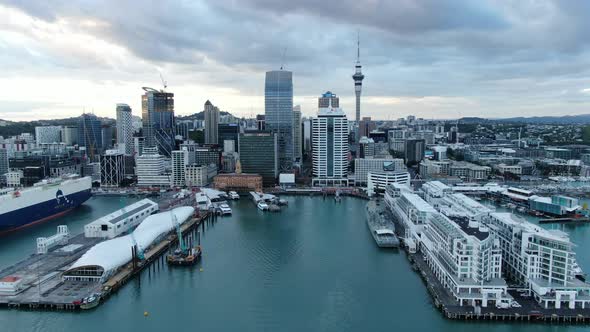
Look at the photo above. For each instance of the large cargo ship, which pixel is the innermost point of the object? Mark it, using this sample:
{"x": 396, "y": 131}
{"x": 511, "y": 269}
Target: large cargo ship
{"x": 46, "y": 200}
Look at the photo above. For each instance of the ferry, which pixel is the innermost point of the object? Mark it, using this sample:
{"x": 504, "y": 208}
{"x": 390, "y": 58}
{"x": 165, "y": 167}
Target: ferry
{"x": 382, "y": 230}
{"x": 43, "y": 201}
{"x": 203, "y": 202}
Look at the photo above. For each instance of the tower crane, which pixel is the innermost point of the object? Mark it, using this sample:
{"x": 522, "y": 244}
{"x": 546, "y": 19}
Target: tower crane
{"x": 164, "y": 83}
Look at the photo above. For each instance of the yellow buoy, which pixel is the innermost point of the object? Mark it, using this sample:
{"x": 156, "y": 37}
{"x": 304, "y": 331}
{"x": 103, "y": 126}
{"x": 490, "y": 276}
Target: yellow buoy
{"x": 145, "y": 313}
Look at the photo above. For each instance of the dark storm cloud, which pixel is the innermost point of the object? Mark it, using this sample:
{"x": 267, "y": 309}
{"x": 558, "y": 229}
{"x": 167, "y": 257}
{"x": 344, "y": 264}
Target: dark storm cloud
{"x": 513, "y": 50}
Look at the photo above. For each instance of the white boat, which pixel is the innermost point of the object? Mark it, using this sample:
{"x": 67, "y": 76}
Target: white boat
{"x": 262, "y": 206}
{"x": 203, "y": 202}
{"x": 225, "y": 209}
{"x": 234, "y": 195}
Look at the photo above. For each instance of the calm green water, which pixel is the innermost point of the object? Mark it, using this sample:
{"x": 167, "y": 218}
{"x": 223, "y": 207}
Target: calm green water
{"x": 313, "y": 267}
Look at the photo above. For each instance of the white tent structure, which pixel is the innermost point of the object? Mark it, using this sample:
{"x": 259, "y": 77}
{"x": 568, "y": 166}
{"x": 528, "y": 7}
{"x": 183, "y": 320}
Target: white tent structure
{"x": 107, "y": 257}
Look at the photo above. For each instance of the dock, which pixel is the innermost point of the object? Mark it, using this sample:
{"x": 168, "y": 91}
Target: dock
{"x": 530, "y": 310}
{"x": 564, "y": 220}
{"x": 43, "y": 287}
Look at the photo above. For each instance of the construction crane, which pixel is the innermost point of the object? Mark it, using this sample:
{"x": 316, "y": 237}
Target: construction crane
{"x": 184, "y": 255}
{"x": 164, "y": 83}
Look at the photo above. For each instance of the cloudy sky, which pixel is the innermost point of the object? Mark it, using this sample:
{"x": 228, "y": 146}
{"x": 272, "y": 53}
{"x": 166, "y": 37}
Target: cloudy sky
{"x": 431, "y": 58}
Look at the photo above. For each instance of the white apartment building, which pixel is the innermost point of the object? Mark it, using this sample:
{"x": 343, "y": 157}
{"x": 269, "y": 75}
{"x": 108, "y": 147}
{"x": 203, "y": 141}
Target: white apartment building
{"x": 150, "y": 169}
{"x": 179, "y": 163}
{"x": 199, "y": 175}
{"x": 466, "y": 258}
{"x": 13, "y": 178}
{"x": 410, "y": 209}
{"x": 377, "y": 181}
{"x": 48, "y": 134}
{"x": 362, "y": 167}
{"x": 541, "y": 260}
{"x": 514, "y": 169}
{"x": 469, "y": 171}
{"x": 330, "y": 148}
{"x": 430, "y": 168}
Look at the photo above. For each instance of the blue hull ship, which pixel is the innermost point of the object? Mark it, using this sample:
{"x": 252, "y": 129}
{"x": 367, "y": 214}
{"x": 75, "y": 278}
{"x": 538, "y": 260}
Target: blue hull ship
{"x": 42, "y": 202}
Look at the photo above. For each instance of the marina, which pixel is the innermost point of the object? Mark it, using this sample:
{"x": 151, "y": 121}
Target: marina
{"x": 78, "y": 272}
{"x": 295, "y": 233}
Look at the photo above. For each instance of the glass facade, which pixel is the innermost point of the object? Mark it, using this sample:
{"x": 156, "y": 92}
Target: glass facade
{"x": 278, "y": 106}
{"x": 157, "y": 113}
{"x": 258, "y": 155}
{"x": 90, "y": 133}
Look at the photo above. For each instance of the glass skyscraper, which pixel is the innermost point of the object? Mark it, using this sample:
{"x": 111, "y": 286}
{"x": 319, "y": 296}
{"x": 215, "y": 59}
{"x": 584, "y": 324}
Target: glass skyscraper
{"x": 90, "y": 133}
{"x": 278, "y": 109}
{"x": 157, "y": 115}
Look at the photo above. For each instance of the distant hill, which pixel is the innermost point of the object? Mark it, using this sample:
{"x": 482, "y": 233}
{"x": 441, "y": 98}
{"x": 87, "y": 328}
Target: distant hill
{"x": 199, "y": 116}
{"x": 567, "y": 119}
{"x": 12, "y": 128}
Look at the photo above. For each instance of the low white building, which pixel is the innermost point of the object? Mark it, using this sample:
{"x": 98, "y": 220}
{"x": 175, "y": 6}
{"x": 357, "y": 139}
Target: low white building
{"x": 11, "y": 285}
{"x": 377, "y": 181}
{"x": 514, "y": 169}
{"x": 121, "y": 221}
{"x": 199, "y": 175}
{"x": 362, "y": 167}
{"x": 13, "y": 178}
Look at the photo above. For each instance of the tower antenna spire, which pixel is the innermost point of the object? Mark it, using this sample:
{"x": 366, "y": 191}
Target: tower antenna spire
{"x": 358, "y": 45}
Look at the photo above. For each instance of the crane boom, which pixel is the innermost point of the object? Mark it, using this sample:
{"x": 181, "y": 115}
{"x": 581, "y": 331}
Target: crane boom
{"x": 164, "y": 83}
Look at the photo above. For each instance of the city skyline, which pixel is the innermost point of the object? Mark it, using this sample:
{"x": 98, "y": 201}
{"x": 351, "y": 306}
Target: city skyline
{"x": 431, "y": 59}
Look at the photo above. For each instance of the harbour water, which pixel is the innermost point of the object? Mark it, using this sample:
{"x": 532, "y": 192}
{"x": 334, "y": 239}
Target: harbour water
{"x": 312, "y": 267}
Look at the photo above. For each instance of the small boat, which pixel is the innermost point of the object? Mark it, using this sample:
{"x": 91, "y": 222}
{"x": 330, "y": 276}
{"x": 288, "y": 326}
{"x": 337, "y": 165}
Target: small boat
{"x": 184, "y": 258}
{"x": 224, "y": 209}
{"x": 233, "y": 195}
{"x": 274, "y": 208}
{"x": 262, "y": 206}
{"x": 90, "y": 302}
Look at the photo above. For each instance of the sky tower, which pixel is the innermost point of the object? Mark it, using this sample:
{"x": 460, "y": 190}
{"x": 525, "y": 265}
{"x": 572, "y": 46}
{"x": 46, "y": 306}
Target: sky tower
{"x": 358, "y": 81}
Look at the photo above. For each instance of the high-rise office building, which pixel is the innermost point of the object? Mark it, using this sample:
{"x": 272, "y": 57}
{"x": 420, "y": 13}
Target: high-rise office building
{"x": 366, "y": 126}
{"x": 125, "y": 127}
{"x": 107, "y": 136}
{"x": 69, "y": 135}
{"x": 157, "y": 115}
{"x": 179, "y": 163}
{"x": 297, "y": 130}
{"x": 330, "y": 147}
{"x": 48, "y": 134}
{"x": 211, "y": 123}
{"x": 112, "y": 168}
{"x": 414, "y": 150}
{"x": 307, "y": 136}
{"x": 259, "y": 155}
{"x": 151, "y": 169}
{"x": 90, "y": 133}
{"x": 228, "y": 132}
{"x": 358, "y": 83}
{"x": 328, "y": 99}
{"x": 3, "y": 162}
{"x": 260, "y": 122}
{"x": 278, "y": 107}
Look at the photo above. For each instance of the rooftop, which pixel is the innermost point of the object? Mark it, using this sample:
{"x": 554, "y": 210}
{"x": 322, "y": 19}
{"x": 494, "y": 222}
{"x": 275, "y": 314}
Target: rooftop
{"x": 463, "y": 223}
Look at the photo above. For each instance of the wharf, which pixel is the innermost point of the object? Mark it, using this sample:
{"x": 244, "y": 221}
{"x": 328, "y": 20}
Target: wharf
{"x": 564, "y": 220}
{"x": 41, "y": 274}
{"x": 530, "y": 310}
